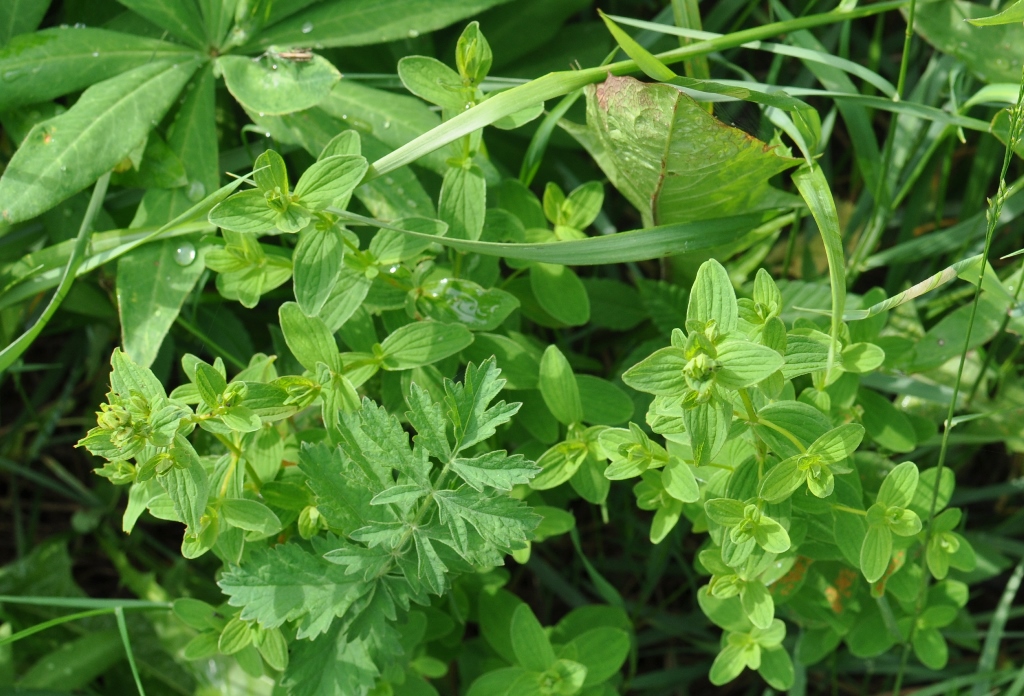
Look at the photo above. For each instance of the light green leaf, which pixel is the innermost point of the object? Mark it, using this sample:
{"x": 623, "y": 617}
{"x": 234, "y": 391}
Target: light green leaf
{"x": 529, "y": 641}
{"x": 876, "y": 552}
{"x": 250, "y": 515}
{"x": 430, "y": 79}
{"x": 495, "y": 469}
{"x": 757, "y": 603}
{"x": 245, "y": 212}
{"x": 64, "y": 154}
{"x": 1014, "y": 14}
{"x": 660, "y": 374}
{"x": 728, "y": 665}
{"x": 712, "y": 298}
{"x": 838, "y": 444}
{"x": 725, "y": 511}
{"x": 330, "y": 181}
{"x": 885, "y": 423}
{"x": 782, "y": 480}
{"x": 862, "y": 358}
{"x": 561, "y": 293}
{"x": 930, "y": 648}
{"x": 708, "y": 426}
{"x": 520, "y": 367}
{"x": 186, "y": 484}
{"x": 899, "y": 486}
{"x": 459, "y": 300}
{"x": 422, "y": 343}
{"x": 777, "y": 669}
{"x": 559, "y": 388}
{"x": 274, "y": 85}
{"x": 679, "y": 481}
{"x": 463, "y": 202}
{"x": 308, "y": 338}
{"x": 744, "y": 364}
{"x": 316, "y": 262}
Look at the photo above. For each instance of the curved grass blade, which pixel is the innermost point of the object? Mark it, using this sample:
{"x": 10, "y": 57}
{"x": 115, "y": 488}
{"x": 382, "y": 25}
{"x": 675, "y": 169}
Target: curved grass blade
{"x": 12, "y": 352}
{"x": 32, "y": 630}
{"x": 811, "y": 183}
{"x": 122, "y": 628}
{"x": 621, "y": 247}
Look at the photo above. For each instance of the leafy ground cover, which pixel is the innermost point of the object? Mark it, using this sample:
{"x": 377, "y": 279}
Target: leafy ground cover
{"x": 483, "y": 347}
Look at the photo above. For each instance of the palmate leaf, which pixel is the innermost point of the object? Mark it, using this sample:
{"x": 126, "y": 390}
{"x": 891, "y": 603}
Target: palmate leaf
{"x": 289, "y": 583}
{"x": 467, "y": 404}
{"x": 501, "y": 521}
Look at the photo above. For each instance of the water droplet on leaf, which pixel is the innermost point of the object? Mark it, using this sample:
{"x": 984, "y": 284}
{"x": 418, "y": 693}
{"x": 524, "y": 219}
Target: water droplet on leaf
{"x": 185, "y": 254}
{"x": 307, "y": 27}
{"x": 196, "y": 191}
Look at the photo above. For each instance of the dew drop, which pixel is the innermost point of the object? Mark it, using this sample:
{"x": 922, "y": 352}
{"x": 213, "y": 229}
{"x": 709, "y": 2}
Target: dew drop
{"x": 387, "y": 124}
{"x": 307, "y": 27}
{"x": 262, "y": 114}
{"x": 196, "y": 191}
{"x": 79, "y": 25}
{"x": 11, "y": 75}
{"x": 388, "y": 180}
{"x": 273, "y": 66}
{"x": 413, "y": 33}
{"x": 185, "y": 254}
{"x": 411, "y": 203}
{"x": 63, "y": 169}
{"x": 95, "y": 54}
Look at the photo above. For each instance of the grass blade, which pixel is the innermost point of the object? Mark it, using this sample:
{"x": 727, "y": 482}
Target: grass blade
{"x": 122, "y": 627}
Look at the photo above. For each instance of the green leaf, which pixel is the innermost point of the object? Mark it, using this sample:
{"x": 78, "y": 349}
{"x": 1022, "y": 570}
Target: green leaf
{"x": 330, "y": 181}
{"x": 393, "y": 245}
{"x": 660, "y": 374}
{"x": 459, "y": 300}
{"x": 308, "y": 338}
{"x": 275, "y": 85}
{"x": 862, "y": 358}
{"x": 559, "y": 387}
{"x": 361, "y": 22}
{"x": 64, "y": 154}
{"x": 422, "y": 343}
{"x": 811, "y": 182}
{"x": 613, "y": 304}
{"x": 561, "y": 293}
{"x": 186, "y": 484}
{"x": 250, "y": 515}
{"x": 771, "y": 536}
{"x": 782, "y": 480}
{"x": 288, "y": 583}
{"x": 688, "y": 167}
{"x": 495, "y": 469}
{"x": 559, "y": 464}
{"x": 744, "y": 364}
{"x": 725, "y": 511}
{"x": 899, "y": 485}
{"x": 603, "y": 402}
{"x": 679, "y": 481}
{"x": 876, "y": 552}
{"x": 468, "y": 404}
{"x": 60, "y": 60}
{"x": 930, "y": 648}
{"x": 601, "y": 650}
{"x": 432, "y": 80}
{"x": 244, "y": 212}
{"x": 757, "y": 603}
{"x": 993, "y": 54}
{"x": 180, "y": 19}
{"x": 235, "y": 636}
{"x": 315, "y": 266}
{"x": 503, "y": 522}
{"x": 708, "y": 426}
{"x": 519, "y": 366}
{"x": 838, "y": 444}
{"x": 622, "y": 247}
{"x": 728, "y": 665}
{"x": 473, "y": 56}
{"x": 712, "y": 298}
{"x": 777, "y": 669}
{"x": 1014, "y": 14}
{"x": 885, "y": 423}
{"x": 530, "y": 643}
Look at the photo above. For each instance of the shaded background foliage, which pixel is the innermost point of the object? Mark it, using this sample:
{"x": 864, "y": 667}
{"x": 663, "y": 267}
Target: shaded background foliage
{"x": 61, "y": 524}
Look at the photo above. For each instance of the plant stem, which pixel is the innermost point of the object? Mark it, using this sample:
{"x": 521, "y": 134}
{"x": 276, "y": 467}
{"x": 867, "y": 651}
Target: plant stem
{"x": 995, "y": 209}
{"x": 880, "y": 215}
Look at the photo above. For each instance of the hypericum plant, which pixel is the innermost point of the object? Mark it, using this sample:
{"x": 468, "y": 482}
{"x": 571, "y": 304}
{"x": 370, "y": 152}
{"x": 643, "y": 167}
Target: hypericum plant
{"x": 773, "y": 475}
